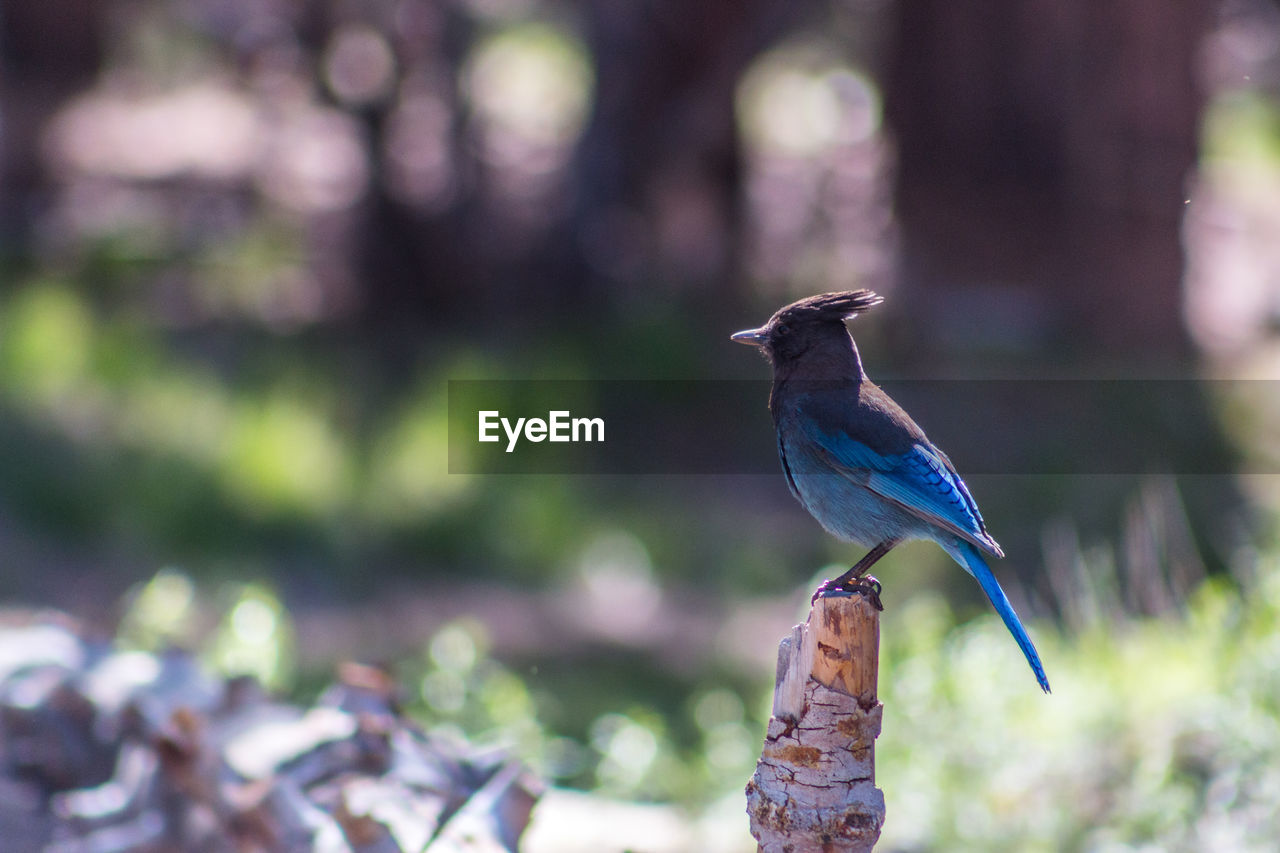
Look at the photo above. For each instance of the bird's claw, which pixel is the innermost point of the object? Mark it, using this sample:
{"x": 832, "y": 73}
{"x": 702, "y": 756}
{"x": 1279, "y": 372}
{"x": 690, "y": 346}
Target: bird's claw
{"x": 867, "y": 586}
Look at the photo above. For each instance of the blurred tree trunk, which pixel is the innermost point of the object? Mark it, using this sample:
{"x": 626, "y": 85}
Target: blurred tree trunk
{"x": 48, "y": 51}
{"x": 416, "y": 265}
{"x": 650, "y": 199}
{"x": 658, "y": 170}
{"x": 1044, "y": 151}
{"x": 652, "y": 188}
{"x": 658, "y": 165}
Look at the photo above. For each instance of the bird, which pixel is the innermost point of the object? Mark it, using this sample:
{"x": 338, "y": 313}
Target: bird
{"x": 858, "y": 462}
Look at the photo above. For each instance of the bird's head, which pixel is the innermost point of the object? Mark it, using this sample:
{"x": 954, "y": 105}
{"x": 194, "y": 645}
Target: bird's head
{"x": 812, "y": 321}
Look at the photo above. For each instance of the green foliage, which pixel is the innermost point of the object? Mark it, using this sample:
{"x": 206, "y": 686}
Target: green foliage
{"x": 253, "y": 634}
{"x": 254, "y": 637}
{"x": 118, "y": 429}
{"x": 595, "y": 724}
{"x": 1243, "y": 127}
{"x": 1160, "y": 734}
{"x": 161, "y": 612}
{"x": 178, "y": 453}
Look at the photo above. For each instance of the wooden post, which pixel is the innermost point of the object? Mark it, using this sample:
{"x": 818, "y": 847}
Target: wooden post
{"x": 814, "y": 786}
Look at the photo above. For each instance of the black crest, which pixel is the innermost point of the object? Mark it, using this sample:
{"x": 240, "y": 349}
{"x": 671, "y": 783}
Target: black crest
{"x": 828, "y": 307}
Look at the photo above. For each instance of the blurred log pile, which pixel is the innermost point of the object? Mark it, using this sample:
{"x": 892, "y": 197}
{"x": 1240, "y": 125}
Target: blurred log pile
{"x": 107, "y": 750}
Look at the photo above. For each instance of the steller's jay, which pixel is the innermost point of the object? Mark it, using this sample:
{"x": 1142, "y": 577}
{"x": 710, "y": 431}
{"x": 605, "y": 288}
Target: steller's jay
{"x": 856, "y": 460}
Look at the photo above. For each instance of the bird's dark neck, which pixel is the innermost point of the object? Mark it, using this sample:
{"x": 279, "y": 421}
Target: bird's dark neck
{"x": 831, "y": 362}
{"x": 831, "y": 357}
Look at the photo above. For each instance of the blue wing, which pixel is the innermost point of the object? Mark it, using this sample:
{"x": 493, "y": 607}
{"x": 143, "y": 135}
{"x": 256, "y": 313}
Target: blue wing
{"x": 921, "y": 480}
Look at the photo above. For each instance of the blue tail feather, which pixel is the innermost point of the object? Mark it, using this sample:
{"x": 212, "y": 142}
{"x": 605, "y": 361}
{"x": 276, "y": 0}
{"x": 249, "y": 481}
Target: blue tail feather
{"x": 975, "y": 565}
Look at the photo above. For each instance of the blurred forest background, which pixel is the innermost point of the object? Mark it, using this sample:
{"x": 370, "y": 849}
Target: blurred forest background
{"x": 244, "y": 244}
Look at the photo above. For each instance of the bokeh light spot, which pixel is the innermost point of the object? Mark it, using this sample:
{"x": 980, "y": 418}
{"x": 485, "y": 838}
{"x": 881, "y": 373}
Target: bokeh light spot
{"x": 359, "y": 65}
{"x": 530, "y": 87}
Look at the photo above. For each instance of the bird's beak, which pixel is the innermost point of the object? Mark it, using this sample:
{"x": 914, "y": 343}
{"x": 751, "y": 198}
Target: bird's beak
{"x": 754, "y": 337}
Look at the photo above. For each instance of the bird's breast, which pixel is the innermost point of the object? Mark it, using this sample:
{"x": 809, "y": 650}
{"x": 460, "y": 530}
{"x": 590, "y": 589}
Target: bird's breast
{"x": 847, "y": 509}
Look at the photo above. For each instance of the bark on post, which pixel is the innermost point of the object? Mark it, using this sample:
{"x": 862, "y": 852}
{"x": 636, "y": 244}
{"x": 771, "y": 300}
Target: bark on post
{"x": 814, "y": 786}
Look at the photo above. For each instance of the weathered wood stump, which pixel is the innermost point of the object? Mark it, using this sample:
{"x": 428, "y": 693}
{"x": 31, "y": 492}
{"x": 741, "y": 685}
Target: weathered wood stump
{"x": 814, "y": 786}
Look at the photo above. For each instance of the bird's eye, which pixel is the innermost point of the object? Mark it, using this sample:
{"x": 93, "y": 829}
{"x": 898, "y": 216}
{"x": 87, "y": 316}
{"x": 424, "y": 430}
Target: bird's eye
{"x": 782, "y": 329}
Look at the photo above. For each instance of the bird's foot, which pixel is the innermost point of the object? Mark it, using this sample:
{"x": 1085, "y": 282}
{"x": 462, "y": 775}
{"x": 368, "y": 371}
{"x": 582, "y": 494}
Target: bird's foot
{"x": 867, "y": 586}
